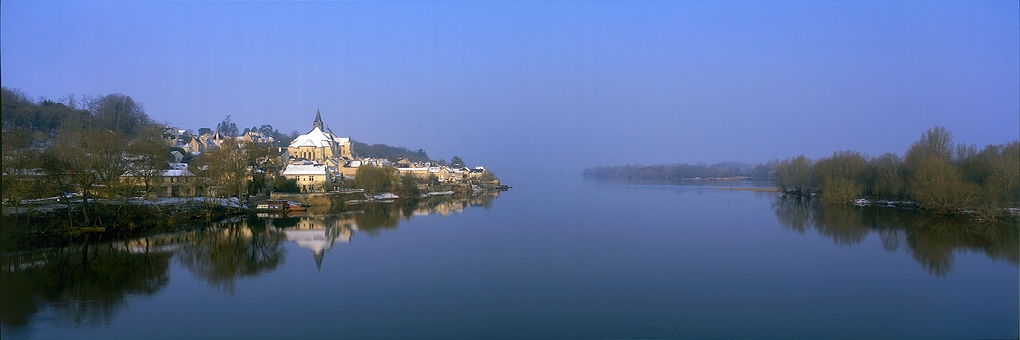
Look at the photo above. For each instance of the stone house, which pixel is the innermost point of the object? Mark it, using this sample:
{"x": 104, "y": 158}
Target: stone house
{"x": 174, "y": 182}
{"x": 309, "y": 177}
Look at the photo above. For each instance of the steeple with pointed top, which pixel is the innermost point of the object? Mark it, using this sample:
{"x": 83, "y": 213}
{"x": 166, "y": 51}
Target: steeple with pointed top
{"x": 318, "y": 259}
{"x": 320, "y": 144}
{"x": 318, "y": 120}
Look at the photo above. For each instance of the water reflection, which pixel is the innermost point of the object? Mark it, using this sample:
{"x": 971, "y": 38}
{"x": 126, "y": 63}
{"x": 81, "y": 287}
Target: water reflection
{"x": 223, "y": 253}
{"x": 931, "y": 239}
{"x": 316, "y": 232}
{"x": 319, "y": 232}
{"x": 88, "y": 285}
{"x": 83, "y": 284}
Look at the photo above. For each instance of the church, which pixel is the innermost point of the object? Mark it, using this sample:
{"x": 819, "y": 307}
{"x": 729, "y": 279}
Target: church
{"x": 321, "y": 145}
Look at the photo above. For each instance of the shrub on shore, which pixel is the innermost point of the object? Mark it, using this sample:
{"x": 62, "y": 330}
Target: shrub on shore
{"x": 939, "y": 176}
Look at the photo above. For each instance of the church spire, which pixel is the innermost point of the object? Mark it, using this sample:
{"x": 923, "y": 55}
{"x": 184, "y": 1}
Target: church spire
{"x": 318, "y": 259}
{"x": 318, "y": 120}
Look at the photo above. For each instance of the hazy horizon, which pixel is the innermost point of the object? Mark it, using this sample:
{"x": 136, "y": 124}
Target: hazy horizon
{"x": 545, "y": 87}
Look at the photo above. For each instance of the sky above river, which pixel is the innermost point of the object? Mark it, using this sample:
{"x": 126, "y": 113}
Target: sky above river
{"x": 545, "y": 86}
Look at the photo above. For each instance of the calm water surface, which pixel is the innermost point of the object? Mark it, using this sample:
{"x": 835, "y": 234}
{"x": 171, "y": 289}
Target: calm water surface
{"x": 556, "y": 256}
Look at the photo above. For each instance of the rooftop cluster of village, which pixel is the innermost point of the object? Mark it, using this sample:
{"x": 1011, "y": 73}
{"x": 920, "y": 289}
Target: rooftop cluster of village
{"x": 317, "y": 161}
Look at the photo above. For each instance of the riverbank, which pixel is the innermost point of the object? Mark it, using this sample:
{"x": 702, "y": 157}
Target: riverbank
{"x": 51, "y": 224}
{"x": 756, "y": 189}
{"x": 350, "y": 196}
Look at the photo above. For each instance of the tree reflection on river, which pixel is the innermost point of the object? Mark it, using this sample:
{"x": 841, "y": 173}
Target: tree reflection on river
{"x": 225, "y": 252}
{"x": 930, "y": 238}
{"x": 87, "y": 285}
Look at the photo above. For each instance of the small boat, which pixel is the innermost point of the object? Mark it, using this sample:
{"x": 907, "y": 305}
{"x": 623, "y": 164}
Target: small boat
{"x": 279, "y": 205}
{"x": 385, "y": 197}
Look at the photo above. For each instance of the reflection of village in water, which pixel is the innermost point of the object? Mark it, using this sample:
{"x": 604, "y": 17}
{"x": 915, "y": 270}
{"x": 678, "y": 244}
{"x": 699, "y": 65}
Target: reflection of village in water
{"x": 88, "y": 284}
{"x": 319, "y": 230}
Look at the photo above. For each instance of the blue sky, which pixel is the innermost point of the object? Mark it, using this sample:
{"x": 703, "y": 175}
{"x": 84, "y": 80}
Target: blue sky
{"x": 545, "y": 86}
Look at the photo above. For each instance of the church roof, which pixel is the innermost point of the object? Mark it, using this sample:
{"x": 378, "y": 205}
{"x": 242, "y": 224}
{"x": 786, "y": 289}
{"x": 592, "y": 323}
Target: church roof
{"x": 317, "y": 240}
{"x": 305, "y": 169}
{"x": 316, "y": 138}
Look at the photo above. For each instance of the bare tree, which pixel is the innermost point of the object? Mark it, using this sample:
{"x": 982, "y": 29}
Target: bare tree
{"x": 149, "y": 157}
{"x": 223, "y": 172}
{"x": 794, "y": 175}
{"x": 887, "y": 176}
{"x": 19, "y": 162}
{"x": 841, "y": 177}
{"x": 259, "y": 160}
{"x": 91, "y": 159}
{"x": 118, "y": 113}
{"x": 1003, "y": 183}
{"x": 934, "y": 181}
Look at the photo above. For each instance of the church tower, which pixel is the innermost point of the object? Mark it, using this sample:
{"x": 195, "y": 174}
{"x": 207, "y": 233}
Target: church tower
{"x": 318, "y": 121}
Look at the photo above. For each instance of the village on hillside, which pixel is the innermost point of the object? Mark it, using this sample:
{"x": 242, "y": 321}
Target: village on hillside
{"x": 318, "y": 161}
{"x": 107, "y": 148}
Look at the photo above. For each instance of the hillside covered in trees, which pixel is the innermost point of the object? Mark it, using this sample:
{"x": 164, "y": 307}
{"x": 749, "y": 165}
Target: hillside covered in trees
{"x": 388, "y": 152}
{"x": 82, "y": 146}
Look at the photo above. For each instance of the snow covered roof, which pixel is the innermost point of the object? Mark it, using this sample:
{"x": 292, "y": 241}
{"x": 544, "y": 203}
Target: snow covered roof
{"x": 165, "y": 173}
{"x": 177, "y": 173}
{"x": 317, "y": 138}
{"x": 305, "y": 169}
{"x": 316, "y": 240}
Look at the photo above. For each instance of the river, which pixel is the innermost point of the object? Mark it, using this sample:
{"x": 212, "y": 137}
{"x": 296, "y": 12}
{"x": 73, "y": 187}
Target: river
{"x": 557, "y": 256}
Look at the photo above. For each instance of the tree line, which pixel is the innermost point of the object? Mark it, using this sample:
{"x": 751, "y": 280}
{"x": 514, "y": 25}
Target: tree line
{"x": 677, "y": 171}
{"x": 107, "y": 147}
{"x": 79, "y": 146}
{"x": 936, "y": 173}
{"x": 229, "y": 129}
{"x": 384, "y": 151}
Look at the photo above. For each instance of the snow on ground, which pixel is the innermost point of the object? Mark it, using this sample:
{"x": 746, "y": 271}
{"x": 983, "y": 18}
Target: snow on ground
{"x": 54, "y": 203}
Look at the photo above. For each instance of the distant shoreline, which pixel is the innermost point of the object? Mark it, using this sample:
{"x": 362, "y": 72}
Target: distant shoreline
{"x": 757, "y": 189}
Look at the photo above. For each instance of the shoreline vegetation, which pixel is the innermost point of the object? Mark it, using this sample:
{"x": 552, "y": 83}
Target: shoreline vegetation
{"x": 53, "y": 223}
{"x": 933, "y": 175}
{"x": 56, "y": 224}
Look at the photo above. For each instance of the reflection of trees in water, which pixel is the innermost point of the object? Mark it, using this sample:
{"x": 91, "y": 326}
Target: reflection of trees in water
{"x": 81, "y": 287}
{"x": 794, "y": 213}
{"x": 931, "y": 239}
{"x": 842, "y": 225}
{"x": 378, "y": 216}
{"x": 221, "y": 254}
{"x": 89, "y": 288}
